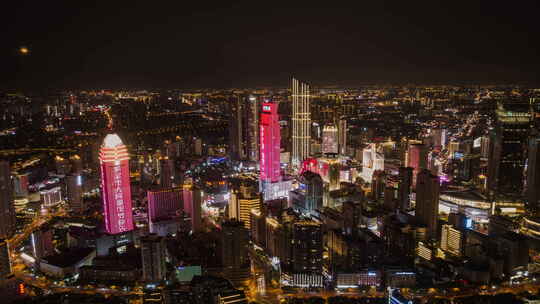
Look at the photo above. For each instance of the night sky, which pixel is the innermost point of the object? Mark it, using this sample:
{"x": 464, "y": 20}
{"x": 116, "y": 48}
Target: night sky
{"x": 139, "y": 44}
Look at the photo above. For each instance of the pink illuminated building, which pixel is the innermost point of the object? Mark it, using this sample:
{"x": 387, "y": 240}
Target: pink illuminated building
{"x": 270, "y": 143}
{"x": 164, "y": 203}
{"x": 115, "y": 182}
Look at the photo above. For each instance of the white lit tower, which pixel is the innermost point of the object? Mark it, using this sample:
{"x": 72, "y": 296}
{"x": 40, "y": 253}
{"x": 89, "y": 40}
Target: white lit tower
{"x": 301, "y": 122}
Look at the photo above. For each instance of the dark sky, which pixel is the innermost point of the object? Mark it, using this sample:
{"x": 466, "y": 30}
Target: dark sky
{"x": 143, "y": 44}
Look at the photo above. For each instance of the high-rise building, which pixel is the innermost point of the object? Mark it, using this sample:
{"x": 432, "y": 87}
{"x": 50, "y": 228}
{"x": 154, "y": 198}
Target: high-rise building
{"x": 417, "y": 159}
{"x": 116, "y": 188}
{"x": 167, "y": 172}
{"x": 314, "y": 191}
{"x": 372, "y": 160}
{"x": 270, "y": 143}
{"x": 330, "y": 142}
{"x": 342, "y": 136}
{"x": 153, "y": 258}
{"x": 234, "y": 252}
{"x": 252, "y": 141}
{"x": 240, "y": 207}
{"x": 509, "y": 139}
{"x": 301, "y": 122}
{"x": 427, "y": 201}
{"x": 404, "y": 187}
{"x": 378, "y": 183}
{"x": 192, "y": 205}
{"x": 164, "y": 203}
{"x": 451, "y": 240}
{"x": 7, "y": 209}
{"x": 42, "y": 242}
{"x": 307, "y": 247}
{"x": 236, "y": 138}
{"x": 74, "y": 193}
{"x": 5, "y": 263}
{"x": 533, "y": 173}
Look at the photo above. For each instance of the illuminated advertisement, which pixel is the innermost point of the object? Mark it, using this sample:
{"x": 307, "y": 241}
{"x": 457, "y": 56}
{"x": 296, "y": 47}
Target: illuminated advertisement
{"x": 270, "y": 144}
{"x": 116, "y": 185}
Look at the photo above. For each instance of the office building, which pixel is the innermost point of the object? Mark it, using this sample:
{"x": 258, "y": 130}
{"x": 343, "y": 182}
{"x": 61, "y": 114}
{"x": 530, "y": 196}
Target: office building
{"x": 252, "y": 141}
{"x": 372, "y": 160}
{"x": 417, "y": 159}
{"x": 241, "y": 206}
{"x": 153, "y": 259}
{"x": 342, "y": 136}
{"x": 7, "y": 209}
{"x": 270, "y": 170}
{"x": 508, "y": 141}
{"x": 301, "y": 122}
{"x": 234, "y": 252}
{"x": 330, "y": 141}
{"x": 116, "y": 188}
{"x": 76, "y": 164}
{"x": 404, "y": 187}
{"x": 427, "y": 202}
{"x": 164, "y": 203}
{"x": 192, "y": 205}
{"x": 307, "y": 247}
{"x": 236, "y": 134}
{"x": 314, "y": 191}
{"x": 42, "y": 242}
{"x": 74, "y": 193}
{"x": 451, "y": 240}
{"x": 167, "y": 173}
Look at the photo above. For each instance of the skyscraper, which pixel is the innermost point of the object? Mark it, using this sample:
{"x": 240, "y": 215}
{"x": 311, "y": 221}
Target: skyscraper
{"x": 252, "y": 113}
{"x": 270, "y": 143}
{"x": 153, "y": 259}
{"x": 192, "y": 205}
{"x": 417, "y": 160}
{"x": 404, "y": 188}
{"x": 74, "y": 193}
{"x": 509, "y": 140}
{"x": 301, "y": 122}
{"x": 342, "y": 136}
{"x": 314, "y": 191}
{"x": 115, "y": 182}
{"x": 307, "y": 247}
{"x": 234, "y": 252}
{"x": 167, "y": 172}
{"x": 240, "y": 207}
{"x": 236, "y": 139}
{"x": 533, "y": 173}
{"x": 7, "y": 209}
{"x": 427, "y": 201}
{"x": 330, "y": 139}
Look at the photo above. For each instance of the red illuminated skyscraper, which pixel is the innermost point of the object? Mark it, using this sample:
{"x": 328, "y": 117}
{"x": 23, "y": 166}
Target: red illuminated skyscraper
{"x": 115, "y": 182}
{"x": 270, "y": 143}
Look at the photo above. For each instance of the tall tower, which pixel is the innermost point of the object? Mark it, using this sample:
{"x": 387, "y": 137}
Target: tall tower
{"x": 427, "y": 201}
{"x": 252, "y": 113}
{"x": 74, "y": 193}
{"x": 236, "y": 139}
{"x": 417, "y": 160}
{"x": 301, "y": 122}
{"x": 7, "y": 209}
{"x": 508, "y": 145}
{"x": 115, "y": 182}
{"x": 270, "y": 143}
{"x": 342, "y": 136}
